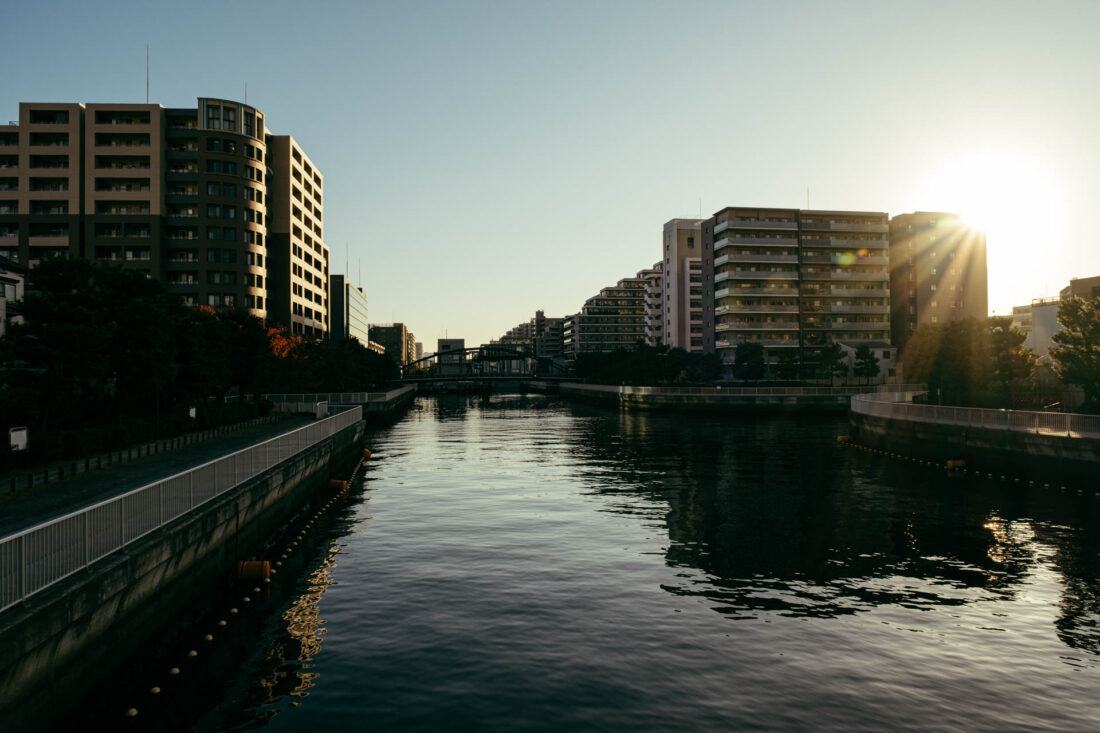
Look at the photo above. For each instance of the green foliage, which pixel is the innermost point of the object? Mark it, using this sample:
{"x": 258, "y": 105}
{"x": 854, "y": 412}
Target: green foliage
{"x": 1012, "y": 365}
{"x": 832, "y": 361}
{"x": 748, "y": 361}
{"x": 1076, "y": 353}
{"x": 866, "y": 363}
{"x": 787, "y": 365}
{"x": 106, "y": 356}
{"x": 648, "y": 365}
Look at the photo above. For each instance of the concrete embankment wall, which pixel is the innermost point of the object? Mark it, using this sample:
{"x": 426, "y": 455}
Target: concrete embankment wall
{"x": 705, "y": 400}
{"x": 59, "y": 644}
{"x": 1038, "y": 456}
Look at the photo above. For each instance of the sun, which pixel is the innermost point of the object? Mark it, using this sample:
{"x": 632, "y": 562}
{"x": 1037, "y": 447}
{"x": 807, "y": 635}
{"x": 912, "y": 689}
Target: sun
{"x": 994, "y": 190}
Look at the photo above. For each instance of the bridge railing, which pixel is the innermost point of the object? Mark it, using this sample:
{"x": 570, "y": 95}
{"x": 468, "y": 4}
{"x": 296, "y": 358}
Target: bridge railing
{"x": 735, "y": 391}
{"x": 337, "y": 398}
{"x": 42, "y": 555}
{"x": 899, "y": 405}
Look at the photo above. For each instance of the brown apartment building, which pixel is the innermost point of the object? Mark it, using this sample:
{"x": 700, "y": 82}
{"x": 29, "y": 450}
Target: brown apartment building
{"x": 191, "y": 196}
{"x": 794, "y": 281}
{"x": 937, "y": 274}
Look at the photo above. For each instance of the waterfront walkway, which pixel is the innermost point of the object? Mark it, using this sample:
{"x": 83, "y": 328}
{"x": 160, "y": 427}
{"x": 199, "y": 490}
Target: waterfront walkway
{"x": 27, "y": 508}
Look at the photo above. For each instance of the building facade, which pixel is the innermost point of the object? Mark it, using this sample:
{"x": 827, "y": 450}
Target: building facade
{"x": 450, "y": 357}
{"x": 348, "y": 310}
{"x": 541, "y": 336}
{"x": 392, "y": 337}
{"x": 794, "y": 281}
{"x": 654, "y": 304}
{"x": 937, "y": 272}
{"x": 614, "y": 319}
{"x": 184, "y": 195}
{"x": 682, "y": 325}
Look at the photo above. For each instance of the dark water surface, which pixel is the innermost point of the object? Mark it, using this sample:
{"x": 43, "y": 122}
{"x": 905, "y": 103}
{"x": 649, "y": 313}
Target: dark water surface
{"x": 518, "y": 563}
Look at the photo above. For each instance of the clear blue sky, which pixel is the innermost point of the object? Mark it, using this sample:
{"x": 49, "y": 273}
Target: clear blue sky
{"x": 486, "y": 159}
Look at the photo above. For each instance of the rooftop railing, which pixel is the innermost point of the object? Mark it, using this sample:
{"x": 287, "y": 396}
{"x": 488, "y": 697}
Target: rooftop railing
{"x": 40, "y": 556}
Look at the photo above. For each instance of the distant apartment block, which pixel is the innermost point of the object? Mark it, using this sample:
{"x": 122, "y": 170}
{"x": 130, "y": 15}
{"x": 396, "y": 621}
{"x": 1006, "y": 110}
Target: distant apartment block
{"x": 683, "y": 284}
{"x": 410, "y": 348}
{"x": 541, "y": 335}
{"x": 1039, "y": 319}
{"x": 1083, "y": 287}
{"x": 613, "y": 319}
{"x": 190, "y": 196}
{"x": 654, "y": 304}
{"x": 937, "y": 272}
{"x": 794, "y": 280}
{"x": 392, "y": 337}
{"x": 348, "y": 310}
{"x": 419, "y": 351}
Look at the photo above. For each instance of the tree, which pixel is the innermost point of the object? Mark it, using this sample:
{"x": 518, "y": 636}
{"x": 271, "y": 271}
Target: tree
{"x": 920, "y": 352}
{"x": 1076, "y": 353}
{"x": 787, "y": 365}
{"x": 961, "y": 368}
{"x": 866, "y": 363}
{"x": 748, "y": 360}
{"x": 832, "y": 361}
{"x": 1011, "y": 363}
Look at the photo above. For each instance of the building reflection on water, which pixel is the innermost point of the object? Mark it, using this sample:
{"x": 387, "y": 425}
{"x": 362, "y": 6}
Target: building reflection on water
{"x": 766, "y": 515}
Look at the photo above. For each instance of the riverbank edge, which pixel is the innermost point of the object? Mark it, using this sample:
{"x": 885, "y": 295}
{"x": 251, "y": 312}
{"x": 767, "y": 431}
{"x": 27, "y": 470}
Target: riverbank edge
{"x": 675, "y": 399}
{"x": 1015, "y": 454}
{"x": 56, "y": 644}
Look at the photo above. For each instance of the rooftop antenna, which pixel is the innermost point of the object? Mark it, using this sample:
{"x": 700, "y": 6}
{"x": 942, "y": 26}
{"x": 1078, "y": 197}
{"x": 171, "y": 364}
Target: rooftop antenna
{"x": 807, "y": 197}
{"x": 246, "y": 92}
{"x": 147, "y": 73}
{"x": 346, "y": 268}
{"x": 700, "y": 207}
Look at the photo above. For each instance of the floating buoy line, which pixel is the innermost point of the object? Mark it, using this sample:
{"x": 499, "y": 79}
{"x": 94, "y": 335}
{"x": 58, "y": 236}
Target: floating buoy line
{"x": 955, "y": 466}
{"x": 258, "y": 574}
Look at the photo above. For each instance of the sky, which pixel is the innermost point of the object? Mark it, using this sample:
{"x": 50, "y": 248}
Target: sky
{"x": 483, "y": 160}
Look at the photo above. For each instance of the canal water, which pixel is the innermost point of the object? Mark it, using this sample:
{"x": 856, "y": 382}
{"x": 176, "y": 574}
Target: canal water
{"x": 522, "y": 563}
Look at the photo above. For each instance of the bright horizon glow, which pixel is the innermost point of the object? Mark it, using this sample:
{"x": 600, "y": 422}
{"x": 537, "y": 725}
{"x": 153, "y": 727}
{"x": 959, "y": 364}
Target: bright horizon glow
{"x": 1011, "y": 195}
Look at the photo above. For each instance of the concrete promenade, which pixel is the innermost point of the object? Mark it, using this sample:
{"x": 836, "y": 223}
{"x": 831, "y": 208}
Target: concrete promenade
{"x": 29, "y": 507}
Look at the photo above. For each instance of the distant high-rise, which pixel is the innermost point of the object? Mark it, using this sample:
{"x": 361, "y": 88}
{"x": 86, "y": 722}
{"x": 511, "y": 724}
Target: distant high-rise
{"x": 348, "y": 310}
{"x": 191, "y": 196}
{"x": 937, "y": 272}
{"x": 392, "y": 337}
{"x": 613, "y": 319}
{"x": 794, "y": 281}
{"x": 541, "y": 335}
{"x": 683, "y": 284}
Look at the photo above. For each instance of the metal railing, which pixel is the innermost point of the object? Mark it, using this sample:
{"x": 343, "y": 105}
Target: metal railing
{"x": 339, "y": 398}
{"x": 844, "y": 391}
{"x": 898, "y": 405}
{"x": 42, "y": 555}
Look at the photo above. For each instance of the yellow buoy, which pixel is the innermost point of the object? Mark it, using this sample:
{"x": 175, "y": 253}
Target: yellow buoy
{"x": 253, "y": 570}
{"x": 366, "y": 453}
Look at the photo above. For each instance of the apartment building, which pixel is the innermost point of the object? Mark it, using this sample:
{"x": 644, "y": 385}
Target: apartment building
{"x": 348, "y": 310}
{"x": 541, "y": 336}
{"x": 392, "y": 337}
{"x": 297, "y": 250}
{"x": 613, "y": 319}
{"x": 794, "y": 280}
{"x": 185, "y": 195}
{"x": 682, "y": 325}
{"x": 654, "y": 304}
{"x": 937, "y": 272}
{"x": 1081, "y": 287}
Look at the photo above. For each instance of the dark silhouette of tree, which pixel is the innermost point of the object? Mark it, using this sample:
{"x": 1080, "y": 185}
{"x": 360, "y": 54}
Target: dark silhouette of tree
{"x": 1012, "y": 364}
{"x": 866, "y": 363}
{"x": 748, "y": 361}
{"x": 832, "y": 361}
{"x": 1076, "y": 353}
{"x": 787, "y": 365}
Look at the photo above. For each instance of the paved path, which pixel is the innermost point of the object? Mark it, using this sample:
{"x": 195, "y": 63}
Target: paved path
{"x": 25, "y": 509}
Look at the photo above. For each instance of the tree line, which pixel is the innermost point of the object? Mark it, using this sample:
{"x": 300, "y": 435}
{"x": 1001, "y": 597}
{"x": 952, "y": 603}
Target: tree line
{"x": 99, "y": 357}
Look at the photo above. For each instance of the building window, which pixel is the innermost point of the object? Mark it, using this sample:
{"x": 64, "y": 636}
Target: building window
{"x": 213, "y": 233}
{"x": 213, "y": 210}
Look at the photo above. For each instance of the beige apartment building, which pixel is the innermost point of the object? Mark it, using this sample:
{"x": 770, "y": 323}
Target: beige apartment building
{"x": 611, "y": 320}
{"x": 795, "y": 280}
{"x": 186, "y": 195}
{"x": 937, "y": 272}
{"x": 683, "y": 284}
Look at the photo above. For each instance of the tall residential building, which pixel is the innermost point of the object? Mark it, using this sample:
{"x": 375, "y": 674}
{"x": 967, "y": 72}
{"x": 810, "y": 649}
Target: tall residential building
{"x": 296, "y": 246}
{"x": 613, "y": 319}
{"x": 683, "y": 284}
{"x": 185, "y": 195}
{"x": 937, "y": 272}
{"x": 410, "y": 348}
{"x": 392, "y": 337}
{"x": 419, "y": 350}
{"x": 654, "y": 304}
{"x": 794, "y": 281}
{"x": 348, "y": 310}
